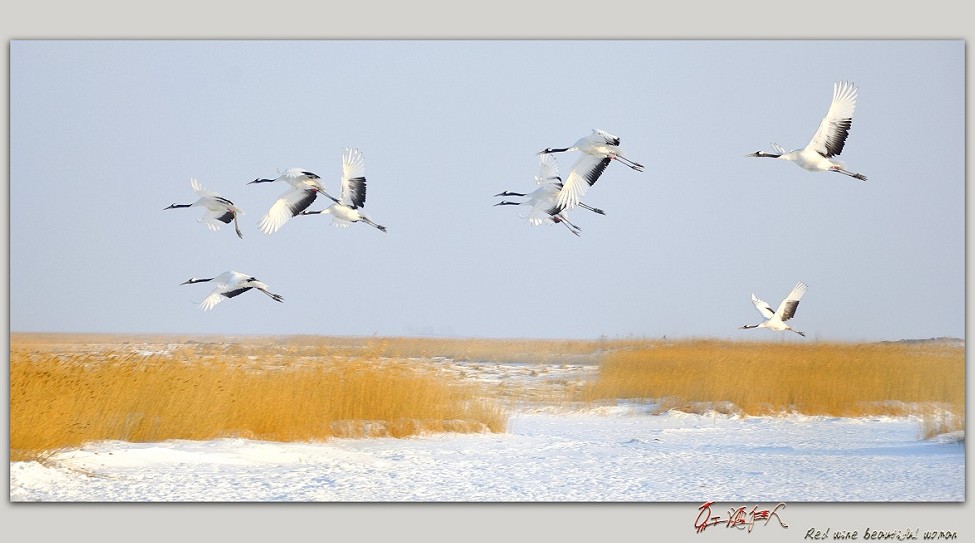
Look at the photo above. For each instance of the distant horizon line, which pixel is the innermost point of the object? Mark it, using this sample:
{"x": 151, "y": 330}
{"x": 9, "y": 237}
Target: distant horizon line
{"x": 664, "y": 337}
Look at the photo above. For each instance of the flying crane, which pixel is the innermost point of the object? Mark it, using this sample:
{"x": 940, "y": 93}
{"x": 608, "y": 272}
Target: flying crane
{"x": 230, "y": 284}
{"x": 829, "y": 139}
{"x": 347, "y": 209}
{"x": 218, "y": 209}
{"x": 598, "y": 150}
{"x": 787, "y": 309}
{"x": 304, "y": 188}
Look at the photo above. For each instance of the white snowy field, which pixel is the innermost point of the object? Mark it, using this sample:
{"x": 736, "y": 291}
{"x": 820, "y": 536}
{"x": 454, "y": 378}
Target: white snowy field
{"x": 620, "y": 453}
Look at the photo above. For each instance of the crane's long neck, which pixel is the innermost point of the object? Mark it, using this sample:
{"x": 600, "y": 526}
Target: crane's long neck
{"x": 173, "y": 206}
{"x": 549, "y": 150}
{"x": 327, "y": 211}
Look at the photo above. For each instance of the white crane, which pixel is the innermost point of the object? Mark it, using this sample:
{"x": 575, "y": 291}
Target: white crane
{"x": 829, "y": 140}
{"x": 347, "y": 209}
{"x": 230, "y": 284}
{"x": 543, "y": 202}
{"x": 598, "y": 149}
{"x": 305, "y": 187}
{"x": 218, "y": 209}
{"x": 787, "y": 310}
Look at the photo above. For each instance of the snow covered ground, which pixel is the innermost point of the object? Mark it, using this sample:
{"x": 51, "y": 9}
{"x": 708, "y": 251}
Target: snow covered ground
{"x": 613, "y": 456}
{"x": 620, "y": 453}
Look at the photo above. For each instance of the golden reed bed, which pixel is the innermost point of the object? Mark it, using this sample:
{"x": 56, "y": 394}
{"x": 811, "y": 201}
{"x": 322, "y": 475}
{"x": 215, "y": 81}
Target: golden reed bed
{"x": 66, "y": 390}
{"x": 837, "y": 379}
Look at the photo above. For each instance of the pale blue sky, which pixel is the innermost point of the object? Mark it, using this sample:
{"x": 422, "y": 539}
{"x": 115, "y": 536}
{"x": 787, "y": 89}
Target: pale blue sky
{"x": 105, "y": 134}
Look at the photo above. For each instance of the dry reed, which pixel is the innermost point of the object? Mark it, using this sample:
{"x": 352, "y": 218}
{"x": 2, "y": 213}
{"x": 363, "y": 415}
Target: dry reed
{"x": 204, "y": 391}
{"x": 754, "y": 378}
{"x": 68, "y": 390}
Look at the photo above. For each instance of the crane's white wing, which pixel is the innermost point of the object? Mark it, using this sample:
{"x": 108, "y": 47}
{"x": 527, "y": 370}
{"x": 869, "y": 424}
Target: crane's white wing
{"x": 288, "y": 205}
{"x": 537, "y": 217}
{"x": 297, "y": 175}
{"x": 541, "y": 215}
{"x": 218, "y": 295}
{"x": 602, "y": 137}
{"x": 353, "y": 193}
{"x": 213, "y": 218}
{"x": 230, "y": 279}
{"x": 229, "y": 284}
{"x": 787, "y": 309}
{"x": 763, "y": 307}
{"x": 548, "y": 169}
{"x": 546, "y": 204}
{"x": 201, "y": 190}
{"x": 545, "y": 197}
{"x": 834, "y": 129}
{"x": 584, "y": 174}
{"x": 340, "y": 223}
{"x": 213, "y": 299}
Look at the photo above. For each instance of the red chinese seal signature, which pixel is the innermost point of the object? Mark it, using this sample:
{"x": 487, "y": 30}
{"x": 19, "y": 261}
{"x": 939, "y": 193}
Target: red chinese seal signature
{"x": 738, "y": 517}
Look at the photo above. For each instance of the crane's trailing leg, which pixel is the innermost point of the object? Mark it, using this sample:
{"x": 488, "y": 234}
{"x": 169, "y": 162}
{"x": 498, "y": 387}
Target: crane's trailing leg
{"x": 370, "y": 223}
{"x": 593, "y": 209}
{"x": 561, "y": 219}
{"x": 635, "y": 165}
{"x": 859, "y": 176}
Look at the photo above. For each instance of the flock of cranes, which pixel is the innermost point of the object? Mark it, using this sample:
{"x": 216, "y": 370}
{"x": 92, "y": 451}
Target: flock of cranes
{"x": 304, "y": 188}
{"x": 550, "y": 203}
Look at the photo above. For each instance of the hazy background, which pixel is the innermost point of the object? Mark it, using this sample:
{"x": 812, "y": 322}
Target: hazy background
{"x": 105, "y": 134}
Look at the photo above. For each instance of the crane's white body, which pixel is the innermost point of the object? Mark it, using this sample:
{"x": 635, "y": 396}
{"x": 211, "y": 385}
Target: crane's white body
{"x": 829, "y": 139}
{"x": 598, "y": 150}
{"x": 218, "y": 209}
{"x": 305, "y": 186}
{"x": 775, "y": 320}
{"x": 348, "y": 208}
{"x": 230, "y": 284}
